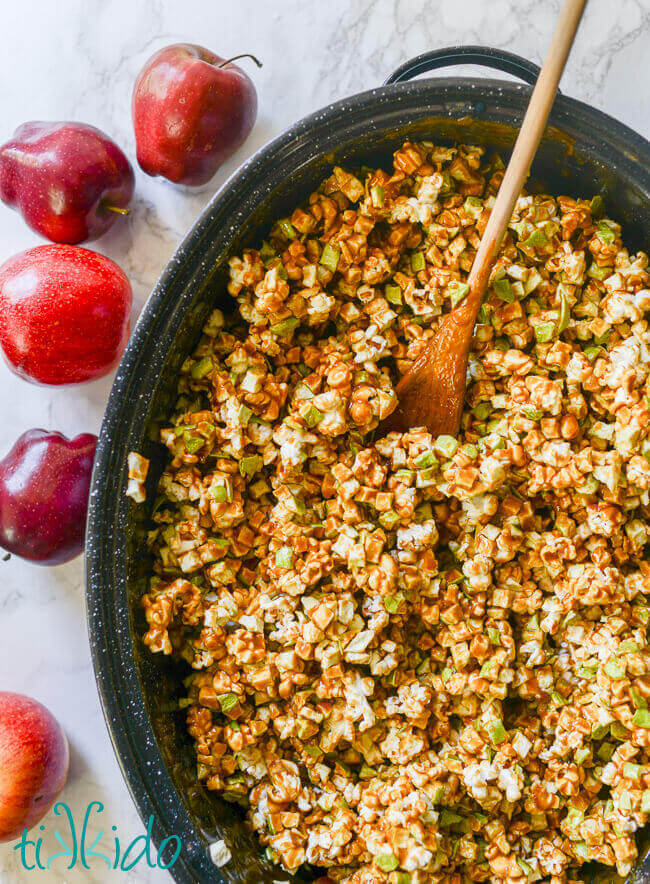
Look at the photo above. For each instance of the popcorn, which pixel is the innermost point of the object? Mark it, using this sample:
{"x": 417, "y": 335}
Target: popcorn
{"x": 138, "y": 467}
{"x": 414, "y": 657}
{"x": 220, "y": 853}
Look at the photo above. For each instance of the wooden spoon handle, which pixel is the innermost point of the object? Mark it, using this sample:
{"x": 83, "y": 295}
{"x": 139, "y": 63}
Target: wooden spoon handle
{"x": 432, "y": 391}
{"x": 522, "y": 156}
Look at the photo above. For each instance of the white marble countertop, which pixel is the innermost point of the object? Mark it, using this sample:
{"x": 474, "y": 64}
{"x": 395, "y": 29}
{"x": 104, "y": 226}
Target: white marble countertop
{"x": 77, "y": 59}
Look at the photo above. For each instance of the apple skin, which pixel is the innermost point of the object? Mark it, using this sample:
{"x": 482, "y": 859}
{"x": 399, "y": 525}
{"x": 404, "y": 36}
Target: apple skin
{"x": 64, "y": 314}
{"x": 190, "y": 115}
{"x": 44, "y": 487}
{"x": 61, "y": 177}
{"x": 34, "y": 760}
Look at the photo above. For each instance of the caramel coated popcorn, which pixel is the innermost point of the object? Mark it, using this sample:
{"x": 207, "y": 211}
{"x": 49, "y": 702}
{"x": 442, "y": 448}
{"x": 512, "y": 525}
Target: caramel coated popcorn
{"x": 417, "y": 659}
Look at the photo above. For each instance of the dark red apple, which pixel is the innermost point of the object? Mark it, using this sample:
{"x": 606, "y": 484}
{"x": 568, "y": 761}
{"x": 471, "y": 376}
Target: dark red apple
{"x": 191, "y": 109}
{"x": 64, "y": 314}
{"x": 34, "y": 759}
{"x": 44, "y": 486}
{"x": 69, "y": 180}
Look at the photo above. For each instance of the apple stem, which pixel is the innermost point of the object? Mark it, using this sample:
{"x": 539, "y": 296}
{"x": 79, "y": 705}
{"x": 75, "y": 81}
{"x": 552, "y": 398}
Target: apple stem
{"x": 243, "y": 55}
{"x": 120, "y": 210}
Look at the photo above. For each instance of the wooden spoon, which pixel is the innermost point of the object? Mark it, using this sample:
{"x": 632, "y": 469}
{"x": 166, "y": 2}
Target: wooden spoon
{"x": 432, "y": 392}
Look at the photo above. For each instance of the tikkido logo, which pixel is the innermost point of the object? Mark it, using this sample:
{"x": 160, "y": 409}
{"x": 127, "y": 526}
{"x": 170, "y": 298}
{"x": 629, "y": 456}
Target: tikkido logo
{"x": 75, "y": 846}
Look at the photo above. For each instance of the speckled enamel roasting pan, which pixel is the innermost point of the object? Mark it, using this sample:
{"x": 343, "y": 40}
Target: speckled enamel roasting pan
{"x": 584, "y": 152}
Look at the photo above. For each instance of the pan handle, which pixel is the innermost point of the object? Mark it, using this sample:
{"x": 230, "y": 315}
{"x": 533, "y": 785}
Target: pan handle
{"x": 455, "y": 55}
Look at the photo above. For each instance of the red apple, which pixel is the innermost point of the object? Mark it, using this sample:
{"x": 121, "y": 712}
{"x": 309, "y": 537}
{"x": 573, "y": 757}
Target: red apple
{"x": 69, "y": 180}
{"x": 191, "y": 109}
{"x": 44, "y": 486}
{"x": 34, "y": 758}
{"x": 64, "y": 314}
